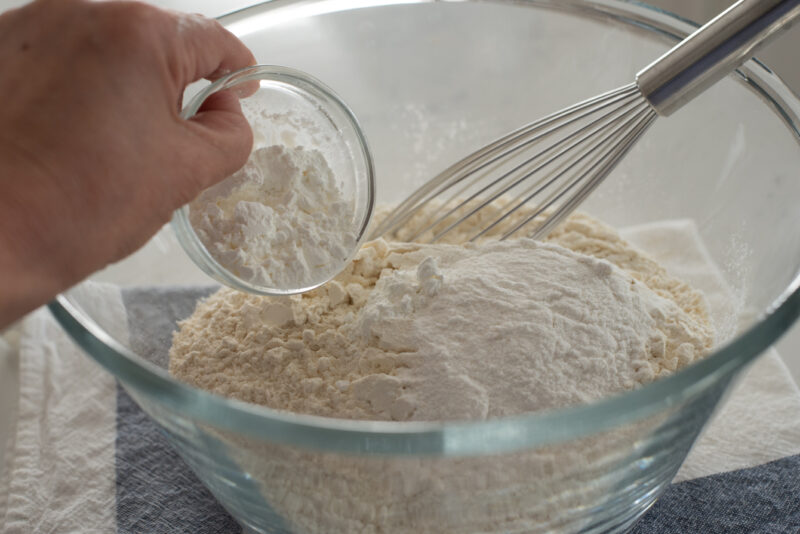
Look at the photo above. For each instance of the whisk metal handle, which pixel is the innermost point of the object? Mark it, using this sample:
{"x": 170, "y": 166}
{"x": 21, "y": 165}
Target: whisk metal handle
{"x": 712, "y": 52}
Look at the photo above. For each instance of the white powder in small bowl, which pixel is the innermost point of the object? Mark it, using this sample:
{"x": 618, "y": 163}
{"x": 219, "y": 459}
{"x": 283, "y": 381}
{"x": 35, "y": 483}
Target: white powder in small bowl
{"x": 281, "y": 222}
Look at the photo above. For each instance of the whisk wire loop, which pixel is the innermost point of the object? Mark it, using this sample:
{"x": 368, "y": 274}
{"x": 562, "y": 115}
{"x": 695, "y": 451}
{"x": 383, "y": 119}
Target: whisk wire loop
{"x": 498, "y": 151}
{"x": 623, "y": 140}
{"x": 586, "y": 161}
{"x": 540, "y": 181}
{"x": 551, "y": 160}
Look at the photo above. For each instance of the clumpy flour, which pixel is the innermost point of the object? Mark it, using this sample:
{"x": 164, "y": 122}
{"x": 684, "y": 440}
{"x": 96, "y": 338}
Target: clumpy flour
{"x": 450, "y": 331}
{"x": 280, "y": 222}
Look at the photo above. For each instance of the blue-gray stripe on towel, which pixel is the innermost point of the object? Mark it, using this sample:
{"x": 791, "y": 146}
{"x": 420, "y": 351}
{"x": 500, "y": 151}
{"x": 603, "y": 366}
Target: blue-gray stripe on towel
{"x": 764, "y": 499}
{"x": 157, "y": 493}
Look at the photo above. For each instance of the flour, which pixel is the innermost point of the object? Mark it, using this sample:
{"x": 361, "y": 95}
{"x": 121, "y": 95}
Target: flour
{"x": 437, "y": 332}
{"x": 515, "y": 327}
{"x": 280, "y": 222}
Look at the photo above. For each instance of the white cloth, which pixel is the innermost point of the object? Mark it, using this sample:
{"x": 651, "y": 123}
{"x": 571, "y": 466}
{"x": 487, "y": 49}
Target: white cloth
{"x": 60, "y": 461}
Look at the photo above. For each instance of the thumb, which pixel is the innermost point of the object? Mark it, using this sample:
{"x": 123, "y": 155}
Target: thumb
{"x": 226, "y": 138}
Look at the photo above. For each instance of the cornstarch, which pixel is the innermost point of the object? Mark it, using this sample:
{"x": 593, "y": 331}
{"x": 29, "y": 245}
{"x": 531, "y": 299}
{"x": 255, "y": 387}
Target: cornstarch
{"x": 279, "y": 222}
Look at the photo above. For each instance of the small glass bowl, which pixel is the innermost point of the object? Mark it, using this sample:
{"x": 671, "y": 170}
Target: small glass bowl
{"x": 293, "y": 109}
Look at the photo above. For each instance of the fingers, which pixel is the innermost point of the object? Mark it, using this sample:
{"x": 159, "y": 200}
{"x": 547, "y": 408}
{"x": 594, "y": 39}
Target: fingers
{"x": 222, "y": 134}
{"x": 211, "y": 50}
{"x": 221, "y": 126}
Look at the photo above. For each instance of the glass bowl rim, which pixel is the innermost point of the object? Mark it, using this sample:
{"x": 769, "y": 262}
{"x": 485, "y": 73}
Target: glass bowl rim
{"x": 456, "y": 438}
{"x": 301, "y": 81}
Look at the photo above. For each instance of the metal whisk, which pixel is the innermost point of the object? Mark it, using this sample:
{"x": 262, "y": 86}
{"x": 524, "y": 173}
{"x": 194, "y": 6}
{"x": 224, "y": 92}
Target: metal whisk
{"x": 549, "y": 166}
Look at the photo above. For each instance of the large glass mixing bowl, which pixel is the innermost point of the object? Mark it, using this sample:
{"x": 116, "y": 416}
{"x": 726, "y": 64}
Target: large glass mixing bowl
{"x": 430, "y": 82}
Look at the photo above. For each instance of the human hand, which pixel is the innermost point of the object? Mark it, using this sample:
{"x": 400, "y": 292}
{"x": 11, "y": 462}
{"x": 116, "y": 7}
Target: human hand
{"x": 94, "y": 156}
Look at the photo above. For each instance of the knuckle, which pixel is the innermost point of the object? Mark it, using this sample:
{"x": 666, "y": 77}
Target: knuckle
{"x": 131, "y": 25}
{"x": 138, "y": 14}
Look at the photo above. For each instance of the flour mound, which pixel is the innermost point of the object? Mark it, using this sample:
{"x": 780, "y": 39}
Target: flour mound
{"x": 443, "y": 332}
{"x": 280, "y": 222}
{"x": 515, "y": 327}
